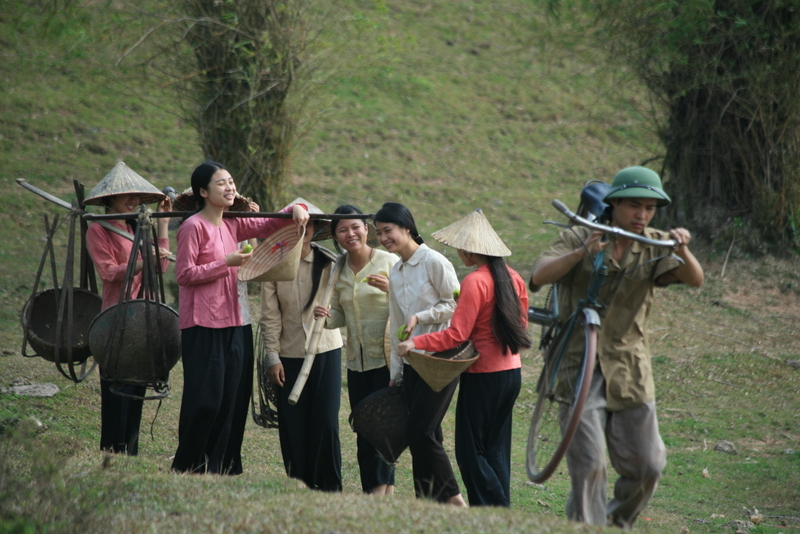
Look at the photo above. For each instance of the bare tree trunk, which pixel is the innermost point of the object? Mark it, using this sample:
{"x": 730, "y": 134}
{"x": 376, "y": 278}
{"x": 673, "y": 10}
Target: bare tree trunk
{"x": 247, "y": 52}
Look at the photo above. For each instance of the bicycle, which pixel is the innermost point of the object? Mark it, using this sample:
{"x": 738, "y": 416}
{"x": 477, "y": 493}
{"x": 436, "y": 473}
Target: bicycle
{"x": 547, "y": 441}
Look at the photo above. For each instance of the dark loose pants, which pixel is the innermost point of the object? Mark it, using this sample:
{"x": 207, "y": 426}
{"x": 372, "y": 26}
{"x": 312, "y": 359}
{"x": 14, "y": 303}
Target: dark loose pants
{"x": 374, "y": 469}
{"x": 212, "y": 369}
{"x": 483, "y": 435}
{"x": 309, "y": 430}
{"x": 120, "y": 417}
{"x": 433, "y": 473}
{"x": 233, "y": 452}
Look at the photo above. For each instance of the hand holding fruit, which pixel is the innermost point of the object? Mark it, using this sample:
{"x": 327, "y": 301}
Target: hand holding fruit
{"x": 237, "y": 258}
{"x": 411, "y": 324}
{"x": 402, "y": 335}
{"x": 380, "y": 280}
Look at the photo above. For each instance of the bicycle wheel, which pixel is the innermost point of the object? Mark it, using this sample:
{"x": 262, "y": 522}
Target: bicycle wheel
{"x": 547, "y": 440}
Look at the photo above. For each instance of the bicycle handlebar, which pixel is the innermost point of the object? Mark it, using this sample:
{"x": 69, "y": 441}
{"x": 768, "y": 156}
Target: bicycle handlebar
{"x": 619, "y": 232}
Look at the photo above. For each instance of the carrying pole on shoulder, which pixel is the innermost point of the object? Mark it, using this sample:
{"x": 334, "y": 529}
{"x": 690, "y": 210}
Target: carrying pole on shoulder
{"x": 316, "y": 333}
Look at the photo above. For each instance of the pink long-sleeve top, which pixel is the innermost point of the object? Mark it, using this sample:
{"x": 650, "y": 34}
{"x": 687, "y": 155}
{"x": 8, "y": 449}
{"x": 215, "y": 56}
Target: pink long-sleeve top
{"x": 110, "y": 253}
{"x": 208, "y": 293}
{"x": 473, "y": 320}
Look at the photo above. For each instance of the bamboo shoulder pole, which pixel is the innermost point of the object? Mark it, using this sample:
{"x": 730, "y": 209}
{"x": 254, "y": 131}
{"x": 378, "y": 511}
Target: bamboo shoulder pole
{"x": 316, "y": 333}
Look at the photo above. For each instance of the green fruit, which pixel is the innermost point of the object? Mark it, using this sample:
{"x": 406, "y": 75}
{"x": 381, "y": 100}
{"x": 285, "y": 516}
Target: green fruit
{"x": 456, "y": 293}
{"x": 401, "y": 334}
{"x": 247, "y": 248}
{"x": 365, "y": 280}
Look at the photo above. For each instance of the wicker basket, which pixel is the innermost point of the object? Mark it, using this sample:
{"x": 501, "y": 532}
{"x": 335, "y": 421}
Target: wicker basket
{"x": 40, "y": 315}
{"x": 136, "y": 342}
{"x": 382, "y": 419}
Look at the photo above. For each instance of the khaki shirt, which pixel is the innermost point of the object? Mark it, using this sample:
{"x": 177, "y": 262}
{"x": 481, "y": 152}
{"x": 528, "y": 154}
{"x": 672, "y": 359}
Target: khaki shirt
{"x": 285, "y": 327}
{"x": 364, "y": 310}
{"x": 627, "y": 295}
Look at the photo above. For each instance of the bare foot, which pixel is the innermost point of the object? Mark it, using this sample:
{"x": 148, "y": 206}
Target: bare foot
{"x": 457, "y": 500}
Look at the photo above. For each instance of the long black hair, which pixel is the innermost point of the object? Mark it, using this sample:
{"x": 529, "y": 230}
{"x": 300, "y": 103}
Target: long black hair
{"x": 344, "y": 209}
{"x": 201, "y": 177}
{"x": 507, "y": 325}
{"x": 395, "y": 213}
{"x": 319, "y": 263}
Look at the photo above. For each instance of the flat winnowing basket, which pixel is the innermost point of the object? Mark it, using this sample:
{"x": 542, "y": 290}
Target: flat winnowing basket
{"x": 382, "y": 419}
{"x": 276, "y": 259}
{"x": 439, "y": 369}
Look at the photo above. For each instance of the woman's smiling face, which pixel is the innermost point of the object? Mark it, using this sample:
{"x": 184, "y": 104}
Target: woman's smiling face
{"x": 125, "y": 203}
{"x": 351, "y": 234}
{"x": 394, "y": 238}
{"x": 221, "y": 190}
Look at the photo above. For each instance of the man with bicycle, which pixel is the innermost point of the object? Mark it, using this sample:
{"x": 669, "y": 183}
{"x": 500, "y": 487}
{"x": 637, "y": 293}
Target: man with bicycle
{"x": 619, "y": 413}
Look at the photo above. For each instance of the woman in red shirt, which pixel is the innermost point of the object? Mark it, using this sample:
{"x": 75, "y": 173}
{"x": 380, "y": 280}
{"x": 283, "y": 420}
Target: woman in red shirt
{"x": 212, "y": 337}
{"x": 122, "y": 191}
{"x": 491, "y": 312}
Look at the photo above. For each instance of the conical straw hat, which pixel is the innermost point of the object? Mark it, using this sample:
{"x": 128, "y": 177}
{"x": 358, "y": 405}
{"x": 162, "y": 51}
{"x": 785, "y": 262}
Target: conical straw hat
{"x": 123, "y": 181}
{"x": 186, "y": 202}
{"x": 441, "y": 368}
{"x": 276, "y": 259}
{"x": 322, "y": 227}
{"x": 473, "y": 233}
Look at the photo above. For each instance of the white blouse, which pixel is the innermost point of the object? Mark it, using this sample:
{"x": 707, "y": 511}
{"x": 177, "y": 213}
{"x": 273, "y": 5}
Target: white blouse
{"x": 422, "y": 286}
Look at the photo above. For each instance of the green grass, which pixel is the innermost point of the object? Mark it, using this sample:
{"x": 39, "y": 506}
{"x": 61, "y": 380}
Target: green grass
{"x": 446, "y": 107}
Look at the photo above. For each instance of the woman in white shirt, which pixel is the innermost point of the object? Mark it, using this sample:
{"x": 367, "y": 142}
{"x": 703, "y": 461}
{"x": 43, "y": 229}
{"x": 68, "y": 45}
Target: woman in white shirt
{"x": 420, "y": 299}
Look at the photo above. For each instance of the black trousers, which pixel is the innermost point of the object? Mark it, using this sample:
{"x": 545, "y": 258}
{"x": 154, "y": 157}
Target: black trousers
{"x": 120, "y": 417}
{"x": 483, "y": 435}
{"x": 213, "y": 360}
{"x": 433, "y": 473}
{"x": 233, "y": 452}
{"x": 309, "y": 430}
{"x": 374, "y": 470}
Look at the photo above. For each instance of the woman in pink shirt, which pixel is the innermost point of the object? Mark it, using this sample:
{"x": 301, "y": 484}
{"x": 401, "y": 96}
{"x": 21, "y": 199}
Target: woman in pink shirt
{"x": 491, "y": 312}
{"x": 122, "y": 191}
{"x": 212, "y": 341}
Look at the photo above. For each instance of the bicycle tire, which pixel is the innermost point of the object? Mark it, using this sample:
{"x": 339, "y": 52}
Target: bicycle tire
{"x": 547, "y": 443}
{"x": 548, "y": 331}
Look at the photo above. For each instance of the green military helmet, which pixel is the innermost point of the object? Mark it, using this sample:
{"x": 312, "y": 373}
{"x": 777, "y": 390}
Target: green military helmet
{"x": 638, "y": 182}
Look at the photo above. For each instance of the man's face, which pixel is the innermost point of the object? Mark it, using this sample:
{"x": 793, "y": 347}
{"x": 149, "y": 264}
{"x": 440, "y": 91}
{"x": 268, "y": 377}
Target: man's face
{"x": 633, "y": 214}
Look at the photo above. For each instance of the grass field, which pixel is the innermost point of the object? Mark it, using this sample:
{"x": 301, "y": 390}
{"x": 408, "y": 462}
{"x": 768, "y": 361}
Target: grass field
{"x": 446, "y": 107}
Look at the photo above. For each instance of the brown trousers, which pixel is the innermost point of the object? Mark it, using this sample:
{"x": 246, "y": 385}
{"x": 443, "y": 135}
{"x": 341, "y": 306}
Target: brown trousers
{"x": 636, "y": 451}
